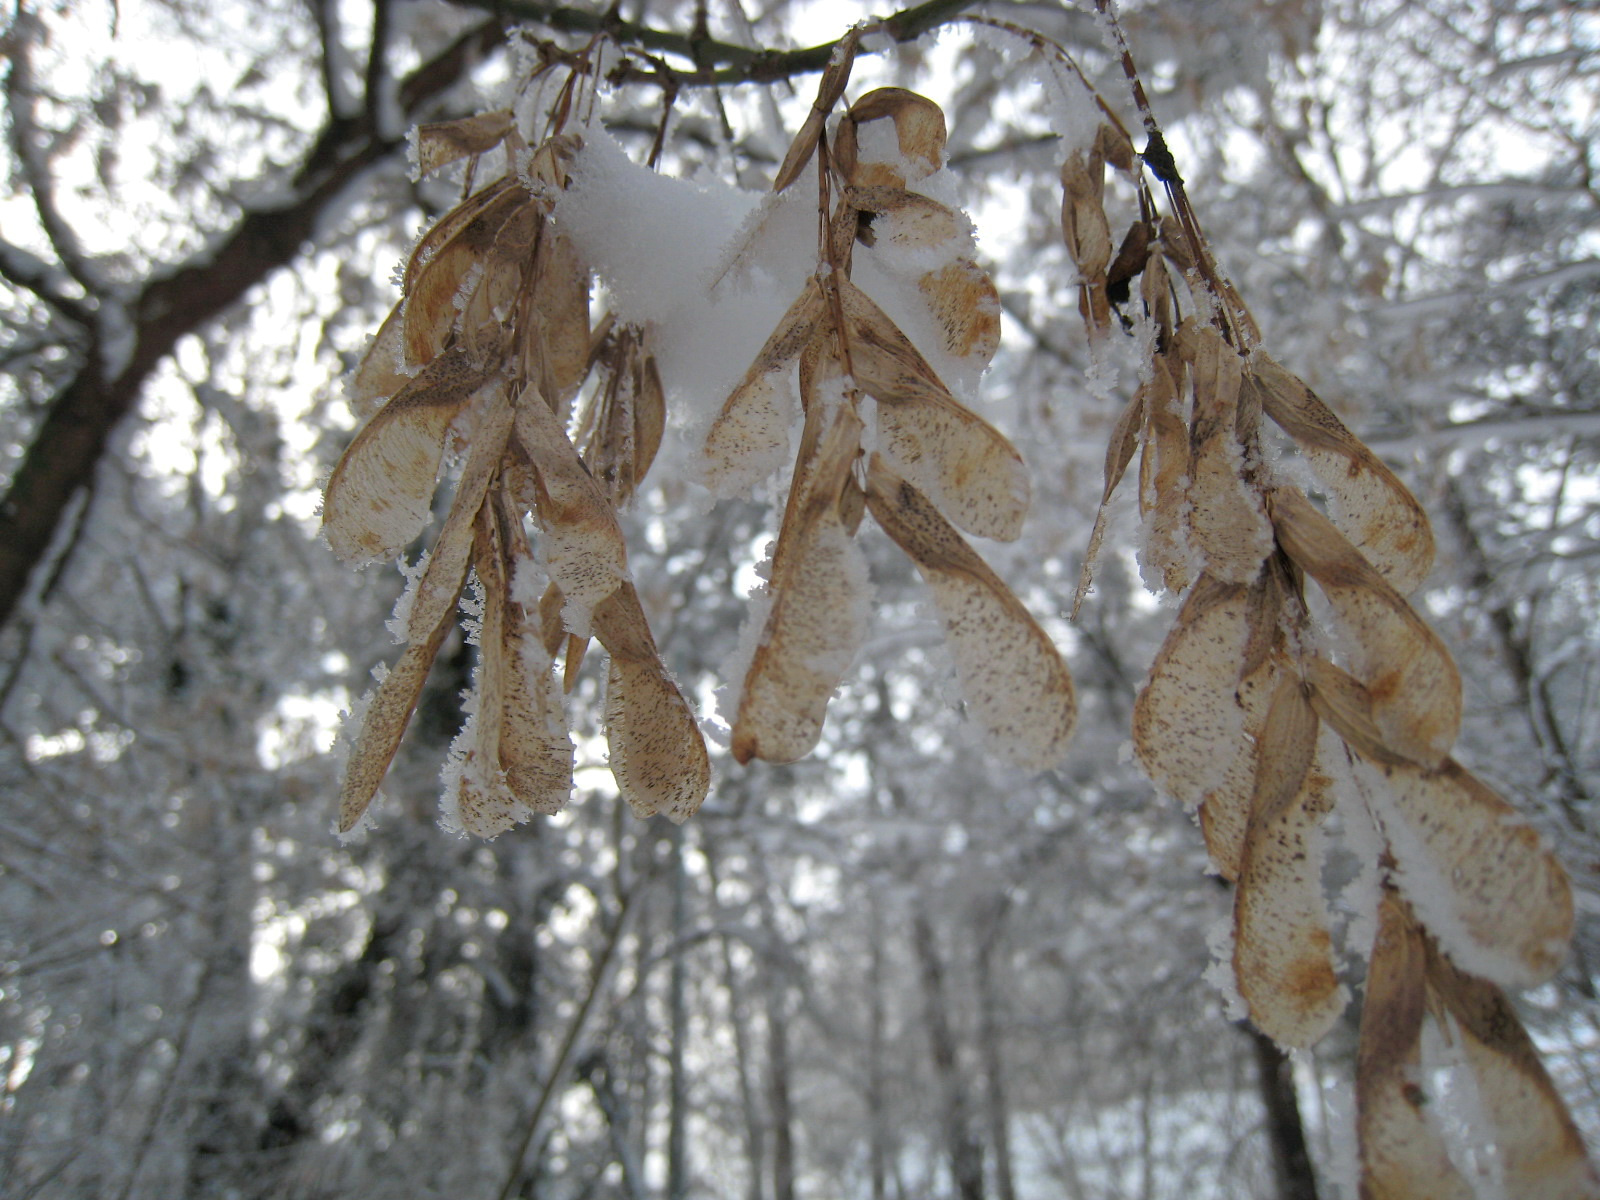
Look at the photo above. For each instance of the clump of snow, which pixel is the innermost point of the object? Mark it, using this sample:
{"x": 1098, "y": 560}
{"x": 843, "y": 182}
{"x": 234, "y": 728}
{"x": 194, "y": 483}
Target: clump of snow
{"x": 708, "y": 268}
{"x": 399, "y": 623}
{"x": 1359, "y": 898}
{"x": 752, "y": 636}
{"x": 1070, "y": 108}
{"x": 1220, "y": 975}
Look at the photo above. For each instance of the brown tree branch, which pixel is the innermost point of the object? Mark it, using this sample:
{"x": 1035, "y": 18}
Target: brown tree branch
{"x": 131, "y": 338}
{"x": 716, "y": 62}
{"x": 27, "y": 147}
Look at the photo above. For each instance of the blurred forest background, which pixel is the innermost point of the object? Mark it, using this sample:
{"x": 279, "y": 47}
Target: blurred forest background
{"x": 894, "y": 969}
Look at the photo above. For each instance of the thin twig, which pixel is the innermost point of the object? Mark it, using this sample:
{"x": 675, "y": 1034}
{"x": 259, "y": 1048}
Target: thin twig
{"x": 569, "y": 1043}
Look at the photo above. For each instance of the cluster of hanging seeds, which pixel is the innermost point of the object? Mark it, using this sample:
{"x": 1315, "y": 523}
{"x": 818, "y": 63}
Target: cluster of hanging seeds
{"x": 882, "y": 434}
{"x": 1297, "y": 684}
{"x": 484, "y": 354}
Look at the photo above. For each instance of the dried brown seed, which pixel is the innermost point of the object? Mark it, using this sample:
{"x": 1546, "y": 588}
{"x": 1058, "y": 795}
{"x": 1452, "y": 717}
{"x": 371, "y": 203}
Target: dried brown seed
{"x": 443, "y": 142}
{"x": 433, "y": 290}
{"x": 379, "y": 495}
{"x": 1402, "y": 1154}
{"x": 1482, "y": 880}
{"x": 919, "y": 133}
{"x": 1539, "y": 1148}
{"x": 963, "y": 463}
{"x": 1345, "y": 704}
{"x": 820, "y": 601}
{"x": 584, "y": 550}
{"x": 1012, "y": 676}
{"x": 749, "y": 439}
{"x": 1119, "y": 453}
{"x": 1227, "y": 522}
{"x": 910, "y": 219}
{"x": 657, "y": 754}
{"x": 1190, "y": 720}
{"x": 1163, "y": 478}
{"x": 555, "y": 319}
{"x": 967, "y": 307}
{"x": 439, "y": 586}
{"x": 1414, "y": 685}
{"x": 379, "y": 375}
{"x": 1282, "y": 955}
{"x": 1369, "y": 504}
{"x": 834, "y": 77}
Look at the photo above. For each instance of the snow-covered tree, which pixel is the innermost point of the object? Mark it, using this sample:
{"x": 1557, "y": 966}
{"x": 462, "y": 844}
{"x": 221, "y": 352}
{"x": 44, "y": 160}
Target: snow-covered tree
{"x": 883, "y": 444}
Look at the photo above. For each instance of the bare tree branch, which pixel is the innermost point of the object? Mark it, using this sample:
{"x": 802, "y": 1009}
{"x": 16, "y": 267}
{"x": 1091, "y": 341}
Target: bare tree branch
{"x": 27, "y": 145}
{"x": 131, "y": 338}
{"x": 716, "y": 62}
{"x": 48, "y": 281}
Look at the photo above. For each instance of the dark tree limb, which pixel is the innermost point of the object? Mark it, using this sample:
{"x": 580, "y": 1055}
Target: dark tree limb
{"x": 132, "y": 335}
{"x": 27, "y": 146}
{"x": 716, "y": 62}
{"x": 1286, "y": 1132}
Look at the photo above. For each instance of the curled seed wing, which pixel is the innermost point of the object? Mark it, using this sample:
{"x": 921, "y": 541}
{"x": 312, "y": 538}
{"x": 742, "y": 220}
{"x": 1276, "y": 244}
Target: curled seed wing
{"x": 1083, "y": 217}
{"x": 1282, "y": 950}
{"x": 433, "y": 294}
{"x": 820, "y": 603}
{"x": 1119, "y": 453}
{"x": 1012, "y": 676}
{"x": 1370, "y": 505}
{"x": 834, "y": 77}
{"x": 1409, "y": 675}
{"x": 657, "y": 754}
{"x": 1402, "y": 1154}
{"x": 440, "y": 143}
{"x": 1481, "y": 879}
{"x": 487, "y": 297}
{"x": 378, "y": 496}
{"x": 919, "y": 134}
{"x": 1540, "y": 1149}
{"x": 448, "y": 226}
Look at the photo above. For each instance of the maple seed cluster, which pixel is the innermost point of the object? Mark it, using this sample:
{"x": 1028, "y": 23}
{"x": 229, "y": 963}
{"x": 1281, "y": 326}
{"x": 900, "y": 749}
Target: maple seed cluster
{"x": 487, "y": 348}
{"x": 934, "y": 467}
{"x": 1271, "y": 707}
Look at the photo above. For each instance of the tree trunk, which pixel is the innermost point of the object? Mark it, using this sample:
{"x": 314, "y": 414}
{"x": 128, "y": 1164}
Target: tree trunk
{"x": 780, "y": 1092}
{"x": 678, "y": 1104}
{"x": 739, "y": 1023}
{"x": 998, "y": 1110}
{"x": 877, "y": 1081}
{"x": 1291, "y": 1160}
{"x": 966, "y": 1154}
